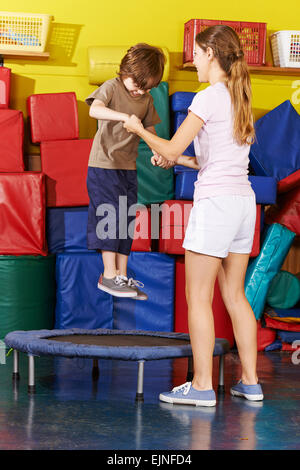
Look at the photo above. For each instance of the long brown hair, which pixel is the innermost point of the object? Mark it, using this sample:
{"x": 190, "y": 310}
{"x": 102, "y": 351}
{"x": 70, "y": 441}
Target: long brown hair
{"x": 144, "y": 64}
{"x": 227, "y": 49}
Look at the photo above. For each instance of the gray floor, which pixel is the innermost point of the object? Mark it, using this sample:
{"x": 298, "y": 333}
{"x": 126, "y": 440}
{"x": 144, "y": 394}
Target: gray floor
{"x": 70, "y": 411}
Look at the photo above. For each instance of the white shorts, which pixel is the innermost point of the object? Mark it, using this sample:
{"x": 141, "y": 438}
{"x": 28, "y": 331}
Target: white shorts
{"x": 221, "y": 224}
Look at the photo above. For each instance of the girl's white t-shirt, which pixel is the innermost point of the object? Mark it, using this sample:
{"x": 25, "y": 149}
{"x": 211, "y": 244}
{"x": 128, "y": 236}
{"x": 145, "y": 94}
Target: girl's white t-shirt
{"x": 223, "y": 162}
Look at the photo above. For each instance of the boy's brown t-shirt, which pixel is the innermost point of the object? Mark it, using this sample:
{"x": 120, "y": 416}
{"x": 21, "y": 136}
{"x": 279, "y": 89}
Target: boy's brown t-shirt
{"x": 113, "y": 147}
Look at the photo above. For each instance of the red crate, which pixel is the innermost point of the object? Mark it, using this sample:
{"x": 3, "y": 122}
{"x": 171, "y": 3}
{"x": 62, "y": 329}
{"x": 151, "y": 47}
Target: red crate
{"x": 252, "y": 37}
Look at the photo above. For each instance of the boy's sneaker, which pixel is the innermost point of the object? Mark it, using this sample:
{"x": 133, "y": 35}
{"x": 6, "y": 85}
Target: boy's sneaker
{"x": 250, "y": 392}
{"x": 116, "y": 286}
{"x": 187, "y": 395}
{"x": 135, "y": 284}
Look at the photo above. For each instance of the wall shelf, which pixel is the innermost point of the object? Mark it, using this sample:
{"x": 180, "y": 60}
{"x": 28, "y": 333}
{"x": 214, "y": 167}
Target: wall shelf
{"x": 11, "y": 54}
{"x": 255, "y": 69}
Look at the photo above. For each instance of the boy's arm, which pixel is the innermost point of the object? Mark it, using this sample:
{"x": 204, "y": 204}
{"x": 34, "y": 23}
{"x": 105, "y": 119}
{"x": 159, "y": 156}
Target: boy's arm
{"x": 190, "y": 162}
{"x": 98, "y": 110}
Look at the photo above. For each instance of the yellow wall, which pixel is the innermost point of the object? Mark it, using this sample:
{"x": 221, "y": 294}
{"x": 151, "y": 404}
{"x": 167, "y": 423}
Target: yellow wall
{"x": 79, "y": 24}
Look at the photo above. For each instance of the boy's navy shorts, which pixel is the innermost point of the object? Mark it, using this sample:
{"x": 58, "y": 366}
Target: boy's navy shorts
{"x": 108, "y": 219}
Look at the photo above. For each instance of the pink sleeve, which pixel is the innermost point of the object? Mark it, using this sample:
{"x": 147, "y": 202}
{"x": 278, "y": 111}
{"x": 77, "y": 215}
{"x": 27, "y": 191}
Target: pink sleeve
{"x": 203, "y": 104}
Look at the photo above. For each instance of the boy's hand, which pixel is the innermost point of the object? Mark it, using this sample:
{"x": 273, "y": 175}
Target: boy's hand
{"x": 133, "y": 124}
{"x": 158, "y": 160}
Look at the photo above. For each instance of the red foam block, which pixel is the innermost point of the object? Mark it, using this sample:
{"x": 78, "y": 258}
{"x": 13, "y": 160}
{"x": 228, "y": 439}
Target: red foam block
{"x": 286, "y": 211}
{"x": 142, "y": 232}
{"x": 11, "y": 140}
{"x": 5, "y": 75}
{"x": 65, "y": 164}
{"x": 265, "y": 336}
{"x": 290, "y": 182}
{"x": 53, "y": 116}
{"x": 223, "y": 325}
{"x": 281, "y": 325}
{"x": 22, "y": 214}
{"x": 174, "y": 220}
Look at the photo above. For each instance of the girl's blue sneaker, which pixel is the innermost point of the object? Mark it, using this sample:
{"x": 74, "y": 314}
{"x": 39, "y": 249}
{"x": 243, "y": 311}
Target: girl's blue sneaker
{"x": 250, "y": 392}
{"x": 187, "y": 395}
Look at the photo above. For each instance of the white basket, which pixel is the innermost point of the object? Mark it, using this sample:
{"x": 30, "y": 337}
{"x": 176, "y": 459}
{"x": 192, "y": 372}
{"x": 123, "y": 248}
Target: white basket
{"x": 286, "y": 48}
{"x": 23, "y": 31}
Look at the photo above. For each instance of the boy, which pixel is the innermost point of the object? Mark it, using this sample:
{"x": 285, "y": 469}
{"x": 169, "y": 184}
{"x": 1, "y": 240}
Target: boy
{"x": 112, "y": 161}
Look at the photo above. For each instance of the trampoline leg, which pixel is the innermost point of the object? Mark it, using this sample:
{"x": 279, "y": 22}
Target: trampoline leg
{"x": 221, "y": 386}
{"x": 190, "y": 372}
{"x": 140, "y": 382}
{"x": 95, "y": 370}
{"x": 15, "y": 374}
{"x": 31, "y": 381}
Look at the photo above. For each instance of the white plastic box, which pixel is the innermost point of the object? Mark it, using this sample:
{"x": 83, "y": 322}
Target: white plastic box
{"x": 23, "y": 31}
{"x": 286, "y": 48}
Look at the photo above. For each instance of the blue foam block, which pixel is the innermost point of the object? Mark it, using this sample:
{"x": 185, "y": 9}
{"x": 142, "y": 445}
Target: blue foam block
{"x": 264, "y": 187}
{"x": 288, "y": 336}
{"x": 79, "y": 303}
{"x": 66, "y": 229}
{"x": 181, "y": 100}
{"x": 157, "y": 272}
{"x": 276, "y": 151}
{"x": 275, "y": 244}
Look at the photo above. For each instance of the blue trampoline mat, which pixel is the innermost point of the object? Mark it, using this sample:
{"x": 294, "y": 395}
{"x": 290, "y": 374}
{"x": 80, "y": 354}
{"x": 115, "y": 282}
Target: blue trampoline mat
{"x": 107, "y": 344}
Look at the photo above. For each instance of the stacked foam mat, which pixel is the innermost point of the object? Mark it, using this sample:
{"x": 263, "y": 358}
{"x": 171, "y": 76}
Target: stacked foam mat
{"x": 27, "y": 282}
{"x": 49, "y": 277}
{"x": 64, "y": 160}
{"x": 278, "y": 135}
{"x": 276, "y": 153}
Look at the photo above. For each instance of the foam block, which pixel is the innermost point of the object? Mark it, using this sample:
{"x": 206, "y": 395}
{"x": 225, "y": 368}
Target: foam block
{"x": 222, "y": 322}
{"x": 181, "y": 100}
{"x": 27, "y": 284}
{"x": 65, "y": 163}
{"x": 79, "y": 303}
{"x": 280, "y": 325}
{"x": 265, "y": 187}
{"x": 174, "y": 220}
{"x": 11, "y": 140}
{"x": 5, "y": 77}
{"x": 67, "y": 228}
{"x": 288, "y": 336}
{"x": 155, "y": 184}
{"x": 53, "y": 116}
{"x": 265, "y": 336}
{"x": 157, "y": 272}
{"x": 276, "y": 242}
{"x": 276, "y": 150}
{"x": 22, "y": 214}
{"x": 284, "y": 290}
{"x": 286, "y": 211}
{"x": 286, "y": 315}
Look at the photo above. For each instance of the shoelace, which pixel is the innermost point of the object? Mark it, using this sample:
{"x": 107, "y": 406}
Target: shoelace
{"x": 135, "y": 282}
{"x": 185, "y": 388}
{"x": 119, "y": 281}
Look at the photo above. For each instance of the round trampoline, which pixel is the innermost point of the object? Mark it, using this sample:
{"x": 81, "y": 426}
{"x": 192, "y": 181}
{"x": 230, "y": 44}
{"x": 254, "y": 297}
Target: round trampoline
{"x": 97, "y": 344}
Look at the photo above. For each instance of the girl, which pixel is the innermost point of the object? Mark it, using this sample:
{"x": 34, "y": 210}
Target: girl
{"x": 220, "y": 231}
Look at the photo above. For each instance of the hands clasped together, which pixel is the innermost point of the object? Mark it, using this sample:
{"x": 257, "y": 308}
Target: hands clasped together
{"x": 134, "y": 124}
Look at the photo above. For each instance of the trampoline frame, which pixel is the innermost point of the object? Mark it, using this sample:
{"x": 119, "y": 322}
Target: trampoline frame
{"x": 221, "y": 349}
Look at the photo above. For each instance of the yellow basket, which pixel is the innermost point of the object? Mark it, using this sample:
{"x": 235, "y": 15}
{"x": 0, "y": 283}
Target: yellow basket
{"x": 23, "y": 31}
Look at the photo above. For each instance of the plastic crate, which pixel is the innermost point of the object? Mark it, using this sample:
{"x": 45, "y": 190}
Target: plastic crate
{"x": 23, "y": 31}
{"x": 252, "y": 37}
{"x": 286, "y": 48}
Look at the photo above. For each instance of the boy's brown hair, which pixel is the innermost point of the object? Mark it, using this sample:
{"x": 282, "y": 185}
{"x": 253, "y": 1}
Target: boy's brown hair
{"x": 144, "y": 64}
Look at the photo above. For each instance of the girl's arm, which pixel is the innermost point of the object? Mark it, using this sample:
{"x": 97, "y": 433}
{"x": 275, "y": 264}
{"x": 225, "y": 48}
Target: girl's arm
{"x": 98, "y": 110}
{"x": 170, "y": 149}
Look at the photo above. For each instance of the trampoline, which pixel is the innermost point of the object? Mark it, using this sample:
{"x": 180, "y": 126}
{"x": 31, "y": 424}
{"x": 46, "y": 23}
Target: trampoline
{"x": 139, "y": 346}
